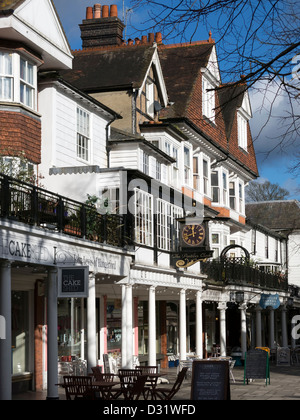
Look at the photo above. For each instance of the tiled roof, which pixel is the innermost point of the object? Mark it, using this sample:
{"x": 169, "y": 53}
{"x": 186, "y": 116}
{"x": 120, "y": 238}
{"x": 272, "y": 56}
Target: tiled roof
{"x": 10, "y": 4}
{"x": 276, "y": 215}
{"x": 106, "y": 68}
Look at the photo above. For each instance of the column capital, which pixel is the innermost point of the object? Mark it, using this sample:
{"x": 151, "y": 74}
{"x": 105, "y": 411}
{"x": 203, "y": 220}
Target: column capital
{"x": 222, "y": 306}
{"x": 5, "y": 263}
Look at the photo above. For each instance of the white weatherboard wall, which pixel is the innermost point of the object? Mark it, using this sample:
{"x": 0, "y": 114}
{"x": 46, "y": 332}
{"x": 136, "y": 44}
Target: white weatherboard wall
{"x": 59, "y": 137}
{"x": 294, "y": 258}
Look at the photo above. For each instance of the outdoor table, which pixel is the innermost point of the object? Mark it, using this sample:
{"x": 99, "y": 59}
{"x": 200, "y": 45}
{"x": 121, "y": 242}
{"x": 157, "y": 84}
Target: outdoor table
{"x": 105, "y": 388}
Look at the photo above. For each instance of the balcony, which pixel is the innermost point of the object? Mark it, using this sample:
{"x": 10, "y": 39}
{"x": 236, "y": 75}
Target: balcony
{"x": 239, "y": 272}
{"x": 35, "y": 206}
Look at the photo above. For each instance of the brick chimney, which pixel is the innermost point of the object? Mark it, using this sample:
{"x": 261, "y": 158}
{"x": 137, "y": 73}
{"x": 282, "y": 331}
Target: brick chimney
{"x": 102, "y": 27}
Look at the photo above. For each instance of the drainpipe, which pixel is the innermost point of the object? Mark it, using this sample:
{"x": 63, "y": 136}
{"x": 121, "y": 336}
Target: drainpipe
{"x": 107, "y": 139}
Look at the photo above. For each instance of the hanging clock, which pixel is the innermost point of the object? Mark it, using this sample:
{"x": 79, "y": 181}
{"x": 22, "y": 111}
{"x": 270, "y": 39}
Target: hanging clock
{"x": 193, "y": 235}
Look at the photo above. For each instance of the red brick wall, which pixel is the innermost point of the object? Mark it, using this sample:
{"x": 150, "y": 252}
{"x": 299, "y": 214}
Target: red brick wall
{"x": 20, "y": 133}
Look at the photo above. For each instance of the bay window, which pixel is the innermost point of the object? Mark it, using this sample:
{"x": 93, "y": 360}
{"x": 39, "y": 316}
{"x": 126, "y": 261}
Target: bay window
{"x": 143, "y": 218}
{"x": 26, "y": 83}
{"x": 18, "y": 79}
{"x": 6, "y": 77}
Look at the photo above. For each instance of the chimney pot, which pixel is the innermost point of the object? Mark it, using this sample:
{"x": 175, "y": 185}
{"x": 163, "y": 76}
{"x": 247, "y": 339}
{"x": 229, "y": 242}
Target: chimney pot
{"x": 144, "y": 39}
{"x": 113, "y": 10}
{"x": 151, "y": 38}
{"x": 137, "y": 41}
{"x": 89, "y": 13}
{"x": 105, "y": 11}
{"x": 158, "y": 38}
{"x": 97, "y": 11}
{"x": 130, "y": 42}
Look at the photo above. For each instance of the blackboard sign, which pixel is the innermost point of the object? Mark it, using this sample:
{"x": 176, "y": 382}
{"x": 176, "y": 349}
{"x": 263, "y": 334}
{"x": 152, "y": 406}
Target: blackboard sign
{"x": 210, "y": 380}
{"x": 257, "y": 365}
{"x": 73, "y": 282}
{"x": 283, "y": 356}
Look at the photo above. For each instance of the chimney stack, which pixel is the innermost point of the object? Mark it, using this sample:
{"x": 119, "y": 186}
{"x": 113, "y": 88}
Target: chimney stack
{"x": 102, "y": 27}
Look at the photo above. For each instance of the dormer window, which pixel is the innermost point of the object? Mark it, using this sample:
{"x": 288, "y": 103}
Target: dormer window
{"x": 150, "y": 98}
{"x": 208, "y": 99}
{"x": 242, "y": 132}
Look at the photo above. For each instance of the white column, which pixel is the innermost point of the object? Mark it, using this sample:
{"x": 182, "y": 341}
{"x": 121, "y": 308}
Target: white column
{"x": 124, "y": 329}
{"x": 5, "y": 332}
{"x": 284, "y": 327}
{"x": 271, "y": 329}
{"x": 222, "y": 308}
{"x": 199, "y": 325}
{"x": 152, "y": 327}
{"x": 129, "y": 327}
{"x": 243, "y": 309}
{"x": 182, "y": 325}
{"x": 52, "y": 349}
{"x": 91, "y": 325}
{"x": 258, "y": 310}
{"x": 82, "y": 333}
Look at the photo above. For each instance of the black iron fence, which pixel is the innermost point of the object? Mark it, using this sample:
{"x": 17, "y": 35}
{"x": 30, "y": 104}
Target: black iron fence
{"x": 232, "y": 272}
{"x": 35, "y": 206}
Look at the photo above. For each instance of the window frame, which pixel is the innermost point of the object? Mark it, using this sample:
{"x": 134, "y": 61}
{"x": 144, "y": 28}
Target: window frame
{"x": 83, "y": 139}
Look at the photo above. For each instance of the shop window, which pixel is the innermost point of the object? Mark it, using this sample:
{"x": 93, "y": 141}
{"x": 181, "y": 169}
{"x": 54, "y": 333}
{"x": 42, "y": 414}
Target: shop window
{"x": 70, "y": 327}
{"x": 114, "y": 326}
{"x": 20, "y": 332}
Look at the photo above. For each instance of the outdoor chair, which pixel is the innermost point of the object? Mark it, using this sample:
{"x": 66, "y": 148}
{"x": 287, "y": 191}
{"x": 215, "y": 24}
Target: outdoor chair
{"x": 168, "y": 393}
{"x": 151, "y": 382}
{"x": 99, "y": 376}
{"x": 127, "y": 378}
{"x": 134, "y": 392}
{"x": 78, "y": 387}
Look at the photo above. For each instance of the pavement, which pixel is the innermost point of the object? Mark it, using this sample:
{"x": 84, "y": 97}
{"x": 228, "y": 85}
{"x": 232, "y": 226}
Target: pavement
{"x": 285, "y": 385}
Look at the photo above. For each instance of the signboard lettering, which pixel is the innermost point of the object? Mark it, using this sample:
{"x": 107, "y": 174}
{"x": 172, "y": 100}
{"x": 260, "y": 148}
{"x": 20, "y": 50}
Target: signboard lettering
{"x": 210, "y": 380}
{"x": 73, "y": 282}
{"x": 257, "y": 365}
{"x": 269, "y": 300}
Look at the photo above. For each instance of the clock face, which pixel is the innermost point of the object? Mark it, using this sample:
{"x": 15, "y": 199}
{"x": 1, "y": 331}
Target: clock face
{"x": 193, "y": 235}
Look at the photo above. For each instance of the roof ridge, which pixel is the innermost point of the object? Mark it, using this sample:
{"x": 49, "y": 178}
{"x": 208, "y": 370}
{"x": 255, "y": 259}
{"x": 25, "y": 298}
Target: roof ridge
{"x": 186, "y": 44}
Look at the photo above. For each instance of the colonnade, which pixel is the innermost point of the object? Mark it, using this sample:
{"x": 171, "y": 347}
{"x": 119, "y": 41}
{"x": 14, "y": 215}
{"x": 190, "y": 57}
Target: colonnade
{"x": 127, "y": 328}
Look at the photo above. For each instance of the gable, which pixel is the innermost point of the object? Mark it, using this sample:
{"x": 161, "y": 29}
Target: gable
{"x": 41, "y": 16}
{"x": 245, "y": 109}
{"x": 212, "y": 71}
{"x": 36, "y": 24}
{"x": 161, "y": 87}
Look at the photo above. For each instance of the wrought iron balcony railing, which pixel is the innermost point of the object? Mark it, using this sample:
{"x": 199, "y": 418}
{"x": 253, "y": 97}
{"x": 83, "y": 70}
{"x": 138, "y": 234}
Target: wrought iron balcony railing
{"x": 32, "y": 205}
{"x": 238, "y": 272}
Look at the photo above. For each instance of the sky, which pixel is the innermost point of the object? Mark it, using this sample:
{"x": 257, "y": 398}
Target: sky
{"x": 272, "y": 166}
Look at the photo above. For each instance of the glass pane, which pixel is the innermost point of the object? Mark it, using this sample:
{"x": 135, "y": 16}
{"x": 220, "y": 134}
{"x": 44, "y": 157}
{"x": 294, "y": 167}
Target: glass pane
{"x": 23, "y": 69}
{"x": 20, "y": 332}
{"x": 30, "y": 74}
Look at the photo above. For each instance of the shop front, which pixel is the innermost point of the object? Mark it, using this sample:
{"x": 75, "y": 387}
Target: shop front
{"x": 44, "y": 323}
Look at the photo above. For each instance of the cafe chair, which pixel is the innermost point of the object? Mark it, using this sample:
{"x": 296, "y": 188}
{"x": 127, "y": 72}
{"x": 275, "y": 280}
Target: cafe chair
{"x": 78, "y": 387}
{"x": 169, "y": 393}
{"x": 135, "y": 391}
{"x": 127, "y": 378}
{"x": 99, "y": 376}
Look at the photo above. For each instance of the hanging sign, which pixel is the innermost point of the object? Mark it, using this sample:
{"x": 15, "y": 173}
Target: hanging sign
{"x": 269, "y": 300}
{"x": 73, "y": 282}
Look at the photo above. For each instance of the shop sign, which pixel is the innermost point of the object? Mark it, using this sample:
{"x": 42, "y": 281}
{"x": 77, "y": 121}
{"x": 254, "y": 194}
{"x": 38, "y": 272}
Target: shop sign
{"x": 272, "y": 301}
{"x": 73, "y": 282}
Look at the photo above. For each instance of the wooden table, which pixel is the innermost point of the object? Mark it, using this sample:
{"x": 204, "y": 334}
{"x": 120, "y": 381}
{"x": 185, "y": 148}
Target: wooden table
{"x": 105, "y": 388}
